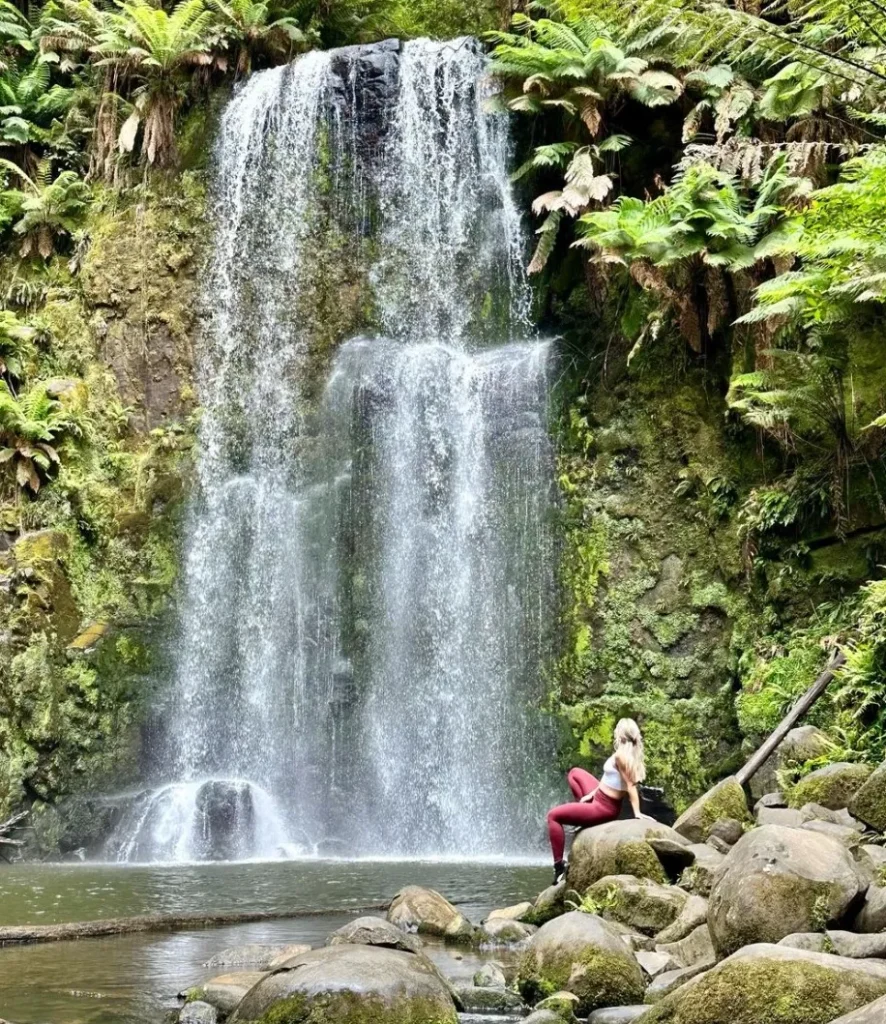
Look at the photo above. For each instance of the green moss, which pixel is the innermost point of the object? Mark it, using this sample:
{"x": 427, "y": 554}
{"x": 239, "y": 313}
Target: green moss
{"x": 833, "y": 786}
{"x": 597, "y": 977}
{"x": 767, "y": 992}
{"x": 642, "y": 906}
{"x": 625, "y": 857}
{"x": 356, "y": 1008}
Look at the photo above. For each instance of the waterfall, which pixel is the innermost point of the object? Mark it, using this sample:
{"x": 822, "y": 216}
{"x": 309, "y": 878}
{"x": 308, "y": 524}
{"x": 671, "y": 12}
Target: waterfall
{"x": 368, "y": 585}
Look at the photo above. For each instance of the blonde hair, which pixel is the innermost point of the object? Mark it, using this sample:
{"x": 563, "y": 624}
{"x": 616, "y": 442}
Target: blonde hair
{"x": 629, "y": 753}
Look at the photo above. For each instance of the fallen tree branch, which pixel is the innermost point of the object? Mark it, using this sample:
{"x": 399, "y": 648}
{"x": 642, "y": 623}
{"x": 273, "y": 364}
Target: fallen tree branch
{"x": 27, "y": 934}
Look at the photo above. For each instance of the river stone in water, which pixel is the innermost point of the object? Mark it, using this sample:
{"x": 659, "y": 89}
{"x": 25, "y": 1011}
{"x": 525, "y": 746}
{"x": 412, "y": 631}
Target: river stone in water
{"x": 225, "y": 991}
{"x": 776, "y": 881}
{"x": 490, "y": 975}
{"x": 774, "y": 984}
{"x": 582, "y": 954}
{"x": 638, "y": 902}
{"x": 617, "y": 848}
{"x": 254, "y": 955}
{"x": 617, "y": 1014}
{"x": 505, "y": 932}
{"x": 726, "y": 800}
{"x": 872, "y": 1013}
{"x": 352, "y": 985}
{"x": 833, "y": 786}
{"x": 374, "y": 931}
{"x": 479, "y": 999}
{"x": 198, "y": 1013}
{"x": 515, "y": 913}
{"x": 425, "y": 911}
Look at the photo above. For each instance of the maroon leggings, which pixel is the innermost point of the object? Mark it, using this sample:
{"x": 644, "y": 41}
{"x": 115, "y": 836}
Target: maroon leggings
{"x": 594, "y": 812}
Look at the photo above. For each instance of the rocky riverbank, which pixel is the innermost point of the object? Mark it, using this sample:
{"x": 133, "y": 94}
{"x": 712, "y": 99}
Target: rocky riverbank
{"x": 747, "y": 911}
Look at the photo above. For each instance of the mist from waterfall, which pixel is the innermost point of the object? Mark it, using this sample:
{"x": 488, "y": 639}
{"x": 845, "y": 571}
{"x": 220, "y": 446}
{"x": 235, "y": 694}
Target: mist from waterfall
{"x": 368, "y": 576}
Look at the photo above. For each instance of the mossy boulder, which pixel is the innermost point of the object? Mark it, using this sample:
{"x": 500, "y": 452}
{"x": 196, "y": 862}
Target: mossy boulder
{"x": 804, "y": 743}
{"x": 582, "y": 954}
{"x": 549, "y": 903}
{"x": 617, "y": 848}
{"x": 504, "y": 932}
{"x": 350, "y": 985}
{"x": 833, "y": 786}
{"x": 699, "y": 877}
{"x": 869, "y": 802}
{"x": 767, "y": 984}
{"x": 425, "y": 911}
{"x": 225, "y": 991}
{"x": 776, "y": 881}
{"x": 638, "y": 902}
{"x": 374, "y": 931}
{"x": 725, "y": 800}
{"x": 871, "y": 1013}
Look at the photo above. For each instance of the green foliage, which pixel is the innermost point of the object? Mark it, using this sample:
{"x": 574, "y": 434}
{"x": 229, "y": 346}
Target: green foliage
{"x": 48, "y": 209}
{"x": 31, "y": 427}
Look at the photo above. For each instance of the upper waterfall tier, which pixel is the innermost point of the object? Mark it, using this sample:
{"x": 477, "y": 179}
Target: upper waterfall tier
{"x": 368, "y": 584}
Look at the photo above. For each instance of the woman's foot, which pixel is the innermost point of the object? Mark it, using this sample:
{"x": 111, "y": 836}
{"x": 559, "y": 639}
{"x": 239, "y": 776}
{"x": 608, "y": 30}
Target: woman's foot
{"x": 559, "y": 871}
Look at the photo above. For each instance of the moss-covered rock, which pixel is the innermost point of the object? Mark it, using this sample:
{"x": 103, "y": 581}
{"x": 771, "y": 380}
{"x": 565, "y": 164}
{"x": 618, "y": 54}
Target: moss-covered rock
{"x": 582, "y": 954}
{"x": 833, "y": 786}
{"x": 766, "y": 984}
{"x": 726, "y": 800}
{"x": 803, "y": 743}
{"x": 617, "y": 848}
{"x": 638, "y": 902}
{"x": 350, "y": 985}
{"x": 870, "y": 1013}
{"x": 776, "y": 881}
{"x": 415, "y": 909}
{"x": 869, "y": 802}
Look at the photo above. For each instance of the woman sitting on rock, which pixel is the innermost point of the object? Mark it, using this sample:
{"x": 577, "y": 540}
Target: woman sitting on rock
{"x": 600, "y": 801}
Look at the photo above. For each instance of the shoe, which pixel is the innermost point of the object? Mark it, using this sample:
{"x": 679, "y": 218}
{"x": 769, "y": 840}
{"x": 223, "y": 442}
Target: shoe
{"x": 559, "y": 872}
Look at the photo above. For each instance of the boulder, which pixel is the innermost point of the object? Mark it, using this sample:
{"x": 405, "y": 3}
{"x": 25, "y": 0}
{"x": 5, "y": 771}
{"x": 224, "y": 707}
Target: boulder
{"x": 815, "y": 942}
{"x": 787, "y": 816}
{"x": 699, "y": 878}
{"x": 639, "y": 903}
{"x": 668, "y": 982}
{"x": 254, "y": 955}
{"x": 695, "y": 948}
{"x": 675, "y": 856}
{"x": 730, "y": 830}
{"x": 805, "y": 743}
{"x": 505, "y": 932}
{"x": 775, "y": 799}
{"x": 871, "y": 1013}
{"x": 717, "y": 844}
{"x": 617, "y": 848}
{"x": 617, "y": 1014}
{"x": 869, "y": 801}
{"x": 515, "y": 913}
{"x": 871, "y": 861}
{"x": 774, "y": 984}
{"x": 490, "y": 975}
{"x": 634, "y": 939}
{"x": 776, "y": 881}
{"x": 353, "y": 984}
{"x": 858, "y": 947}
{"x": 654, "y": 964}
{"x": 227, "y": 990}
{"x": 543, "y": 1017}
{"x": 479, "y": 999}
{"x": 833, "y": 786}
{"x": 693, "y": 913}
{"x": 564, "y": 1003}
{"x": 549, "y": 903}
{"x": 373, "y": 931}
{"x": 425, "y": 911}
{"x": 582, "y": 954}
{"x": 725, "y": 800}
{"x": 815, "y": 812}
{"x": 198, "y": 1013}
{"x": 872, "y": 916}
{"x": 844, "y": 834}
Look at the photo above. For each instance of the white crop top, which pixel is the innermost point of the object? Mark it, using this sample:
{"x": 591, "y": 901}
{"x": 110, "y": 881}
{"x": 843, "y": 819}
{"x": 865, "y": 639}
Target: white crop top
{"x": 612, "y": 777}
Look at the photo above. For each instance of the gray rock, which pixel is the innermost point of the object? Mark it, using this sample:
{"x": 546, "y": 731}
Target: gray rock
{"x": 515, "y": 913}
{"x": 725, "y": 800}
{"x": 654, "y": 964}
{"x": 675, "y": 856}
{"x": 668, "y": 982}
{"x": 564, "y": 1003}
{"x": 699, "y": 878}
{"x": 505, "y": 932}
{"x": 844, "y": 834}
{"x": 730, "y": 830}
{"x": 577, "y": 939}
{"x": 814, "y": 942}
{"x": 770, "y": 800}
{"x": 786, "y": 816}
{"x": 696, "y": 948}
{"x": 858, "y": 947}
{"x": 490, "y": 975}
{"x": 870, "y": 1013}
{"x": 776, "y": 881}
{"x": 390, "y": 980}
{"x": 415, "y": 909}
{"x": 776, "y": 984}
{"x": 617, "y": 848}
{"x": 198, "y": 1013}
{"x": 639, "y": 903}
{"x": 253, "y": 955}
{"x": 693, "y": 914}
{"x": 617, "y": 1014}
{"x": 373, "y": 931}
{"x": 815, "y": 812}
{"x": 872, "y": 916}
{"x": 719, "y": 846}
{"x": 833, "y": 786}
{"x": 543, "y": 1017}
{"x": 548, "y": 904}
{"x": 635, "y": 940}
{"x": 869, "y": 803}
{"x": 477, "y": 999}
{"x": 804, "y": 743}
{"x": 871, "y": 861}
{"x": 225, "y": 991}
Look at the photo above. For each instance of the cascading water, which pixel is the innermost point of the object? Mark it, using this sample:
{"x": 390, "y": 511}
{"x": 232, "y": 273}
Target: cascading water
{"x": 368, "y": 581}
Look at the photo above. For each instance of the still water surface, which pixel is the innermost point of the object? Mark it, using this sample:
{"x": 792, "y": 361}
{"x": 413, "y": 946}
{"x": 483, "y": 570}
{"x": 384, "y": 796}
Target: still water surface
{"x": 134, "y": 979}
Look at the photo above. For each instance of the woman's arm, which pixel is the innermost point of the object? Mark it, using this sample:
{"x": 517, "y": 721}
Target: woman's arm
{"x": 634, "y": 797}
